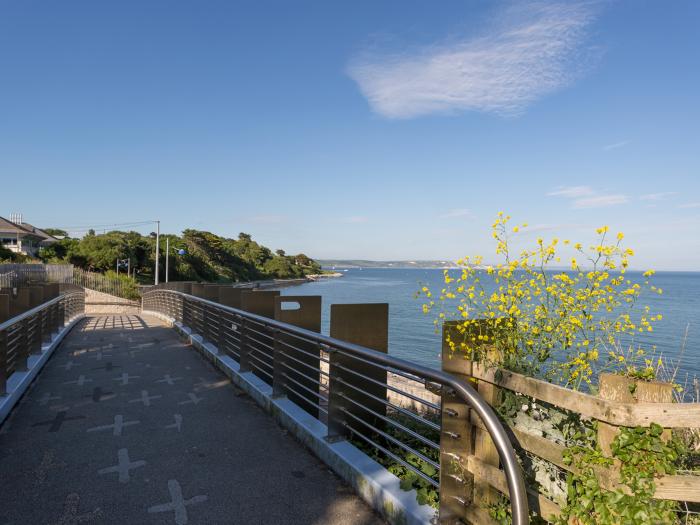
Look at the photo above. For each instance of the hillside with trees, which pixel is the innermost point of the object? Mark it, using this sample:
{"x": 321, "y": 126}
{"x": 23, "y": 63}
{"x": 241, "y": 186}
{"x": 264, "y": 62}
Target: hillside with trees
{"x": 194, "y": 256}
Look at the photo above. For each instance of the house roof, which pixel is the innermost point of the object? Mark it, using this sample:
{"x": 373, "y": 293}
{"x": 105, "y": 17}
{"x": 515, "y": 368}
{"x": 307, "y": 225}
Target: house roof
{"x": 23, "y": 230}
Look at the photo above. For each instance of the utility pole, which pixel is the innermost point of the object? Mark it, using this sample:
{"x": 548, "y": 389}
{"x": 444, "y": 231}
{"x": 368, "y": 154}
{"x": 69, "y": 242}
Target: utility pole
{"x": 167, "y": 254}
{"x": 128, "y": 267}
{"x": 157, "y": 248}
{"x": 117, "y": 265}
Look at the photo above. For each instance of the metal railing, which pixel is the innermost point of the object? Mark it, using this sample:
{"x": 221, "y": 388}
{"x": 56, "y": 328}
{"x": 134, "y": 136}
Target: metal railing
{"x": 24, "y": 335}
{"x": 346, "y": 386}
{"x": 119, "y": 287}
{"x": 14, "y": 274}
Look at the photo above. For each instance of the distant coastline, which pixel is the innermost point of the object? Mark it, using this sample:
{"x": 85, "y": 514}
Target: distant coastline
{"x": 331, "y": 264}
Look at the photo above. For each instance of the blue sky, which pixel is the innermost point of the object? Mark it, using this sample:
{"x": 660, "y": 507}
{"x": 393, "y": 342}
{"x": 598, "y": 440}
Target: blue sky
{"x": 384, "y": 130}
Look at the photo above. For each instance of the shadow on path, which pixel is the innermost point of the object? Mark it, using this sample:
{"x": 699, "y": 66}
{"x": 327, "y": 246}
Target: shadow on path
{"x": 126, "y": 424}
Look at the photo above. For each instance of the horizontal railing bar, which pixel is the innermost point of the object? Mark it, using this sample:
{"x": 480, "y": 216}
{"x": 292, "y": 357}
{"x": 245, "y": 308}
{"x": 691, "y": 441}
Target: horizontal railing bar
{"x": 253, "y": 353}
{"x": 394, "y": 423}
{"x": 292, "y": 347}
{"x": 391, "y": 438}
{"x": 416, "y": 417}
{"x": 392, "y": 455}
{"x": 389, "y": 387}
{"x": 316, "y": 394}
{"x": 307, "y": 365}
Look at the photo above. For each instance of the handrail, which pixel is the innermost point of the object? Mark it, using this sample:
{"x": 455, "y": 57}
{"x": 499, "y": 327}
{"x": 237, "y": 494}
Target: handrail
{"x": 27, "y": 314}
{"x": 511, "y": 467}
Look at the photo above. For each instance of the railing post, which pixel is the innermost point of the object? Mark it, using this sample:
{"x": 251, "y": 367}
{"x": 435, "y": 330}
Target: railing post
{"x": 243, "y": 361}
{"x": 336, "y": 429}
{"x": 3, "y": 363}
{"x": 278, "y": 368}
{"x": 23, "y": 350}
{"x": 456, "y": 444}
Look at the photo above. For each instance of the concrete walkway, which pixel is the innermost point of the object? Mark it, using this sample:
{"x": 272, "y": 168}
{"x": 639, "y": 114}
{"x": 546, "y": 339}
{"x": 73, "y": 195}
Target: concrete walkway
{"x": 128, "y": 425}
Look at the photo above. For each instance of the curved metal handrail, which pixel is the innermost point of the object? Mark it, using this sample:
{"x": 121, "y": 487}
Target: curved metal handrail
{"x": 511, "y": 467}
{"x": 25, "y": 315}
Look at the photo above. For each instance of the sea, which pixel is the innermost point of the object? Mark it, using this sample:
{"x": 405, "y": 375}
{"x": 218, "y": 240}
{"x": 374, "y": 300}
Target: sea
{"x": 412, "y": 334}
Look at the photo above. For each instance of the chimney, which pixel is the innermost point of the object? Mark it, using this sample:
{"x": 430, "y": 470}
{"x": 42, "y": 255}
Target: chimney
{"x": 16, "y": 218}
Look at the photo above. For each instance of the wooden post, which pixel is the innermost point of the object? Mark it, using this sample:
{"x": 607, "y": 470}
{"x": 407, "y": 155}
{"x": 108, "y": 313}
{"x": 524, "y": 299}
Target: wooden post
{"x": 456, "y": 440}
{"x": 618, "y": 388}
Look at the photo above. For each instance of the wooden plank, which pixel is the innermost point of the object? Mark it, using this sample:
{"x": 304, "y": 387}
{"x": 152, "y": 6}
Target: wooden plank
{"x": 669, "y": 415}
{"x": 496, "y": 478}
{"x": 677, "y": 487}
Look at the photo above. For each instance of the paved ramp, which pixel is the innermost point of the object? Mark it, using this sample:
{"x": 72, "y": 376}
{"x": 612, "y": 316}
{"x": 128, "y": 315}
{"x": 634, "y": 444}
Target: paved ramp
{"x": 128, "y": 425}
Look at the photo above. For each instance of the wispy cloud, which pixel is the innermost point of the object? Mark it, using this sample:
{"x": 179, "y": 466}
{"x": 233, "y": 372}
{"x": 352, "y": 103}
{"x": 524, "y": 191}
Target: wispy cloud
{"x": 531, "y": 50}
{"x": 616, "y": 145}
{"x": 657, "y": 196}
{"x": 459, "y": 212}
{"x": 688, "y": 205}
{"x": 600, "y": 201}
{"x": 582, "y": 197}
{"x": 571, "y": 191}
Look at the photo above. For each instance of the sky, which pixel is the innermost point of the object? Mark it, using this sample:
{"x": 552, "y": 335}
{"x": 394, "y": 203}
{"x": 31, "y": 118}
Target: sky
{"x": 377, "y": 130}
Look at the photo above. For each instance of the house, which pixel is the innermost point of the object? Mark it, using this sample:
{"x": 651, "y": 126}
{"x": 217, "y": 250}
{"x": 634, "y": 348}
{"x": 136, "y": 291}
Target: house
{"x": 21, "y": 237}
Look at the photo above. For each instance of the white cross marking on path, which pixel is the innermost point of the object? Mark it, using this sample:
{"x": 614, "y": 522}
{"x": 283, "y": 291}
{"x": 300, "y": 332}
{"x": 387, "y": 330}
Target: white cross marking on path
{"x": 118, "y": 425}
{"x": 123, "y": 466}
{"x": 80, "y": 381}
{"x": 124, "y": 378}
{"x": 177, "y": 503}
{"x": 46, "y": 398}
{"x": 193, "y": 399}
{"x": 168, "y": 379}
{"x": 145, "y": 398}
{"x": 177, "y": 424}
{"x": 69, "y": 365}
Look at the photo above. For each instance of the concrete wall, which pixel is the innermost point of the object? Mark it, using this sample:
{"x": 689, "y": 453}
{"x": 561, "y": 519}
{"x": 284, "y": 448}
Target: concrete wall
{"x": 102, "y": 303}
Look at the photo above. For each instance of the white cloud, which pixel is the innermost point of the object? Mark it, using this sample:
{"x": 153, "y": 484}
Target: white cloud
{"x": 571, "y": 191}
{"x": 586, "y": 197}
{"x": 690, "y": 205}
{"x": 616, "y": 145}
{"x": 459, "y": 212}
{"x": 531, "y": 50}
{"x": 600, "y": 201}
{"x": 657, "y": 196}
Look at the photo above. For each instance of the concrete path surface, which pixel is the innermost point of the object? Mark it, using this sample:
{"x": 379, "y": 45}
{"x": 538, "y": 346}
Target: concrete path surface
{"x": 128, "y": 425}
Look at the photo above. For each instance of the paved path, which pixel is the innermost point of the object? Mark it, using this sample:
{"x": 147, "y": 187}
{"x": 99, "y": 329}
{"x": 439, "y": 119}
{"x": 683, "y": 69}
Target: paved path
{"x": 128, "y": 425}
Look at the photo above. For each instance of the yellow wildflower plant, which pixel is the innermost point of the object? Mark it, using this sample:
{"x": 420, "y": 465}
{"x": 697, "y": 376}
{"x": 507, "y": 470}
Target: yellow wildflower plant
{"x": 562, "y": 325}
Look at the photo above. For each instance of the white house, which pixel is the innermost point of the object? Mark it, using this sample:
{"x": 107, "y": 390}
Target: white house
{"x": 21, "y": 237}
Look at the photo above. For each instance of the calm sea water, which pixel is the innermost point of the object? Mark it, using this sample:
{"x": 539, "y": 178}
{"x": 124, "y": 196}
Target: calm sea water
{"x": 412, "y": 333}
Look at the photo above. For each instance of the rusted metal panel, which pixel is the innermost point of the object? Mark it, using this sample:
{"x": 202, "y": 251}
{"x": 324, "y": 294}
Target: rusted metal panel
{"x": 19, "y": 300}
{"x": 4, "y": 307}
{"x": 303, "y": 311}
{"x": 366, "y": 325}
{"x": 259, "y": 302}
{"x": 51, "y": 290}
{"x": 259, "y": 340}
{"x": 230, "y": 296}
